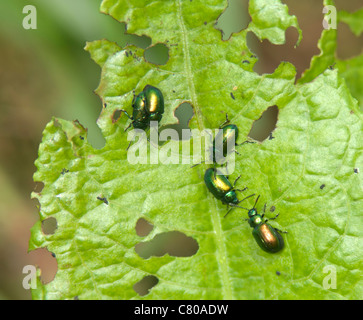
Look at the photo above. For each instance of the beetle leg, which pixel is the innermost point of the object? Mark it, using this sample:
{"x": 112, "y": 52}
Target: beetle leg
{"x": 235, "y": 181}
{"x": 247, "y": 141}
{"x": 125, "y": 112}
{"x": 128, "y": 126}
{"x": 280, "y": 230}
{"x": 227, "y": 211}
{"x": 274, "y": 217}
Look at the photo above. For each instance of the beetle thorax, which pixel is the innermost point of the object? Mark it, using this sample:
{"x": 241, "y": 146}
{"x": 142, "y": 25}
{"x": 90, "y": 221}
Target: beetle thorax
{"x": 255, "y": 220}
{"x": 231, "y": 197}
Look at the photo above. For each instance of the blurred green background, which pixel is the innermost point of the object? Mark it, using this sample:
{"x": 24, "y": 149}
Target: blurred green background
{"x": 45, "y": 72}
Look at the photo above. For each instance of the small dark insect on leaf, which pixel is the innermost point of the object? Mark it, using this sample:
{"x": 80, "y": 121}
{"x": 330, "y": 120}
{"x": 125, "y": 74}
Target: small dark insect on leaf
{"x": 53, "y": 254}
{"x": 64, "y": 170}
{"x": 322, "y": 186}
{"x": 232, "y": 96}
{"x": 272, "y": 209}
{"x": 205, "y": 23}
{"x": 332, "y": 66}
{"x": 278, "y": 273}
{"x": 246, "y": 61}
{"x": 356, "y": 170}
{"x": 103, "y": 199}
{"x": 82, "y": 138}
{"x": 271, "y": 137}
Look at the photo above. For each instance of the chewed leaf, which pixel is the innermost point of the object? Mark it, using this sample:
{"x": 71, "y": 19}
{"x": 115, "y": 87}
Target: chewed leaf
{"x": 270, "y": 20}
{"x": 98, "y": 197}
{"x": 351, "y": 69}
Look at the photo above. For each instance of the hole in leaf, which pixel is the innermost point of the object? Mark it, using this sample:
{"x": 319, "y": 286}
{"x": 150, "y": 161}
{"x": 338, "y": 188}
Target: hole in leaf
{"x": 271, "y": 55}
{"x": 38, "y": 186}
{"x": 233, "y": 19}
{"x": 184, "y": 112}
{"x": 49, "y": 225}
{"x": 144, "y": 286}
{"x": 348, "y": 44}
{"x": 157, "y": 54}
{"x": 174, "y": 243}
{"x": 133, "y": 39}
{"x": 263, "y": 127}
{"x": 116, "y": 115}
{"x": 350, "y": 6}
{"x": 143, "y": 227}
{"x": 46, "y": 261}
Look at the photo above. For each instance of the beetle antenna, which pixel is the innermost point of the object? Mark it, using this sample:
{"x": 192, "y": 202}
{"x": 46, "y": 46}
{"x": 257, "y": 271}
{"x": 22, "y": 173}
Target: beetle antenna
{"x": 251, "y": 195}
{"x": 234, "y": 206}
{"x": 254, "y": 206}
{"x": 197, "y": 164}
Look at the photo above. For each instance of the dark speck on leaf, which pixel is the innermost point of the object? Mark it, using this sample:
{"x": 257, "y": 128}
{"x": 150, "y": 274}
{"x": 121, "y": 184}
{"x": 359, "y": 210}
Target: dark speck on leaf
{"x": 64, "y": 171}
{"x": 278, "y": 273}
{"x": 232, "y": 96}
{"x": 103, "y": 199}
{"x": 356, "y": 170}
{"x": 82, "y": 138}
{"x": 322, "y": 186}
{"x": 272, "y": 209}
{"x": 246, "y": 61}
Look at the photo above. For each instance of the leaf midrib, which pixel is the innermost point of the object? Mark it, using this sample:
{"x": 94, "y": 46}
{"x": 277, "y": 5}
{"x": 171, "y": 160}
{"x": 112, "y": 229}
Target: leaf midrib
{"x": 219, "y": 235}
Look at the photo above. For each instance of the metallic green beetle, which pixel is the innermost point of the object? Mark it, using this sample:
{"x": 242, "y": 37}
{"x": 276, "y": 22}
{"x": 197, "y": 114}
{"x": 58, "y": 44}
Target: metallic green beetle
{"x": 267, "y": 237}
{"x": 225, "y": 140}
{"x": 154, "y": 103}
{"x": 222, "y": 189}
{"x": 147, "y": 106}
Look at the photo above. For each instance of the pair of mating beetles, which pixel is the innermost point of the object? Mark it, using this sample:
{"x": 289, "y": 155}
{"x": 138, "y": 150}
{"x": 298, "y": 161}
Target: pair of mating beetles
{"x": 149, "y": 106}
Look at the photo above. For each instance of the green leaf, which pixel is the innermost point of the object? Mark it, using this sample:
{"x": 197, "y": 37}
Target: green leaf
{"x": 306, "y": 172}
{"x": 270, "y": 20}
